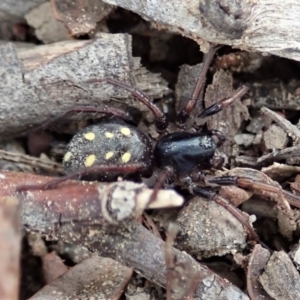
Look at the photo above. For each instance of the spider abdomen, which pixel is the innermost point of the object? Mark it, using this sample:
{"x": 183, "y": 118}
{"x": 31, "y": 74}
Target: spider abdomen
{"x": 184, "y": 151}
{"x": 107, "y": 143}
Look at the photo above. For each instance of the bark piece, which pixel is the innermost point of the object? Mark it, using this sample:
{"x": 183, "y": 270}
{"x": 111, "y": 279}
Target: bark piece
{"x": 258, "y": 259}
{"x": 276, "y": 95}
{"x": 47, "y": 28}
{"x": 287, "y": 153}
{"x": 228, "y": 121}
{"x": 10, "y": 237}
{"x": 100, "y": 202}
{"x": 286, "y": 225}
{"x": 242, "y": 24}
{"x": 80, "y": 17}
{"x": 275, "y": 138}
{"x": 134, "y": 246}
{"x": 295, "y": 255}
{"x": 280, "y": 279}
{"x": 99, "y": 277}
{"x": 41, "y": 82}
{"x": 240, "y": 61}
{"x": 208, "y": 229}
{"x": 128, "y": 242}
{"x": 43, "y": 162}
{"x": 286, "y": 125}
{"x": 187, "y": 79}
{"x": 10, "y": 11}
{"x": 281, "y": 172}
{"x": 53, "y": 267}
{"x": 245, "y": 139}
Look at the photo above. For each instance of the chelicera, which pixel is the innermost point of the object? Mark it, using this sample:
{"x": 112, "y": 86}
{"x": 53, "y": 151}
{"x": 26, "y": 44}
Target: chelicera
{"x": 115, "y": 148}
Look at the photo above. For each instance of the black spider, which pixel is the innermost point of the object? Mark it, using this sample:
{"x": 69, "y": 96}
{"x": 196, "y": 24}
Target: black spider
{"x": 116, "y": 144}
{"x": 116, "y": 148}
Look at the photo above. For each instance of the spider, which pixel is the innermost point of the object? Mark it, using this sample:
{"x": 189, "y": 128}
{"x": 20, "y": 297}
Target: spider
{"x": 115, "y": 147}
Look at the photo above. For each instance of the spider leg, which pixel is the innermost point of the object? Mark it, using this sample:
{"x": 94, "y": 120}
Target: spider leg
{"x": 163, "y": 176}
{"x": 220, "y": 105}
{"x": 124, "y": 169}
{"x": 161, "y": 121}
{"x": 113, "y": 111}
{"x": 245, "y": 182}
{"x": 208, "y": 193}
{"x": 187, "y": 110}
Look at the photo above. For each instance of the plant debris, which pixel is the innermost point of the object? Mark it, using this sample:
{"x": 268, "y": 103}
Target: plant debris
{"x": 94, "y": 239}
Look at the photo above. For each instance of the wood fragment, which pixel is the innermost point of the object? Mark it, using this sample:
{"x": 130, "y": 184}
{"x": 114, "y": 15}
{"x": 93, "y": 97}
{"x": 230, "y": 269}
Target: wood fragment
{"x": 295, "y": 255}
{"x": 182, "y": 280}
{"x": 47, "y": 28}
{"x": 275, "y": 138}
{"x": 248, "y": 25}
{"x": 208, "y": 229}
{"x": 10, "y": 237}
{"x": 32, "y": 161}
{"x": 96, "y": 277}
{"x": 80, "y": 17}
{"x": 276, "y": 94}
{"x": 258, "y": 259}
{"x": 97, "y": 202}
{"x": 46, "y": 80}
{"x": 121, "y": 244}
{"x": 261, "y": 209}
{"x": 287, "y": 225}
{"x": 280, "y": 278}
{"x": 115, "y": 201}
{"x": 278, "y": 155}
{"x": 240, "y": 61}
{"x": 281, "y": 172}
{"x": 81, "y": 224}
{"x": 228, "y": 121}
{"x": 286, "y": 125}
{"x": 53, "y": 267}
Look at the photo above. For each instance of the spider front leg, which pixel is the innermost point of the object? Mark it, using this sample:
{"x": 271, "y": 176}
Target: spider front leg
{"x": 161, "y": 121}
{"x": 220, "y": 105}
{"x": 198, "y": 89}
{"x": 245, "y": 182}
{"x": 110, "y": 111}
